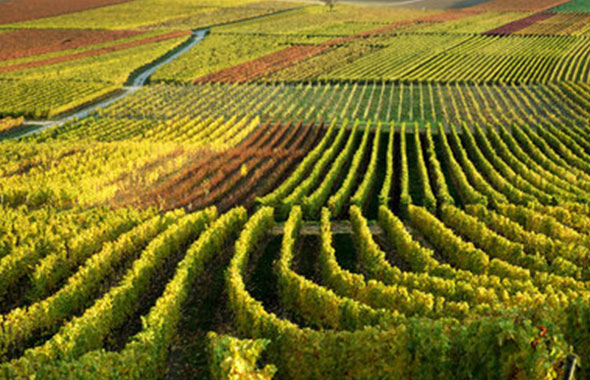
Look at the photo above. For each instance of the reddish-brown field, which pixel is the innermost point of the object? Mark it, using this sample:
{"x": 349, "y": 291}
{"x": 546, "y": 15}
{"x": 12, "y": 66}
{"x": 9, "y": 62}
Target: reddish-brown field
{"x": 282, "y": 59}
{"x": 562, "y": 23}
{"x": 240, "y": 174}
{"x": 265, "y": 65}
{"x": 519, "y": 25}
{"x": 95, "y": 52}
{"x": 23, "y": 10}
{"x": 30, "y": 42}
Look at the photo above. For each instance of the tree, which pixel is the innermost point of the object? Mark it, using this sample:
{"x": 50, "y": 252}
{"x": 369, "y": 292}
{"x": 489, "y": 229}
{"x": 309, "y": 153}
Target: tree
{"x": 330, "y": 3}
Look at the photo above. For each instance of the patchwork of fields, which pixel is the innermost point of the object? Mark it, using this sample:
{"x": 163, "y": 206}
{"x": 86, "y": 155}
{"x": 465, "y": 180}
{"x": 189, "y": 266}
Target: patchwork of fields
{"x": 305, "y": 193}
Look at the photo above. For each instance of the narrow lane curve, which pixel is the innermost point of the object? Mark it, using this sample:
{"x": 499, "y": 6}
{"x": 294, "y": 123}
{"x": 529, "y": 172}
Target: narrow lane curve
{"x": 140, "y": 80}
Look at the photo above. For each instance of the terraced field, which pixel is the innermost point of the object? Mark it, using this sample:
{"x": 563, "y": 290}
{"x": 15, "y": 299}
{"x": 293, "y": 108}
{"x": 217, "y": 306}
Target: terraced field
{"x": 362, "y": 193}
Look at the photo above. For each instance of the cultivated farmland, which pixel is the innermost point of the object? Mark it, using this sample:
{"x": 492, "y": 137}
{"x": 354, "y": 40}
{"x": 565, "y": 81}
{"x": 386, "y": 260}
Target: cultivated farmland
{"x": 243, "y": 189}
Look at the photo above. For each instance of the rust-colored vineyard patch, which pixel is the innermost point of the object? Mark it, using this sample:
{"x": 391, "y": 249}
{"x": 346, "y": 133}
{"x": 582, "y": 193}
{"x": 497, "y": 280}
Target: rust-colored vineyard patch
{"x": 236, "y": 176}
{"x": 259, "y": 67}
{"x": 95, "y": 52}
{"x": 30, "y": 42}
{"x": 519, "y": 25}
{"x": 24, "y": 10}
{"x": 282, "y": 59}
{"x": 562, "y": 23}
{"x": 271, "y": 63}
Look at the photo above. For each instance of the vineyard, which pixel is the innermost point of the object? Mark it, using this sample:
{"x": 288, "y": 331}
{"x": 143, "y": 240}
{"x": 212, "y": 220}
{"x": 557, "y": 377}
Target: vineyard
{"x": 255, "y": 189}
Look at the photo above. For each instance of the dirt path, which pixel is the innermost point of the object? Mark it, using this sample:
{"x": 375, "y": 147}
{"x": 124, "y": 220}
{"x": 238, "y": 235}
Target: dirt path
{"x": 419, "y": 4}
{"x": 140, "y": 80}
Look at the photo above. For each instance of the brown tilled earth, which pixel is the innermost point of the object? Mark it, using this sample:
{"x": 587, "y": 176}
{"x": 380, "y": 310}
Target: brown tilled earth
{"x": 23, "y": 10}
{"x": 94, "y": 52}
{"x": 29, "y": 42}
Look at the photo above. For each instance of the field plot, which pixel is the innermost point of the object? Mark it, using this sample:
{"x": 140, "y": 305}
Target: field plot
{"x": 314, "y": 20}
{"x": 413, "y": 173}
{"x": 473, "y": 47}
{"x": 446, "y": 103}
{"x": 38, "y": 99}
{"x": 248, "y": 43}
{"x": 512, "y": 59}
{"x": 94, "y": 52}
{"x": 519, "y": 25}
{"x": 237, "y": 175}
{"x": 479, "y": 22}
{"x": 507, "y": 60}
{"x": 15, "y": 11}
{"x": 416, "y": 49}
{"x": 565, "y": 23}
{"x": 518, "y": 5}
{"x": 222, "y": 52}
{"x": 228, "y": 14}
{"x": 44, "y": 88}
{"x": 30, "y": 42}
{"x": 422, "y": 4}
{"x": 295, "y": 193}
{"x": 174, "y": 14}
{"x": 78, "y": 50}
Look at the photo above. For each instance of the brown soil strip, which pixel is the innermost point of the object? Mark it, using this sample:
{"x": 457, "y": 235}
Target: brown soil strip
{"x": 30, "y": 42}
{"x": 519, "y": 25}
{"x": 24, "y": 10}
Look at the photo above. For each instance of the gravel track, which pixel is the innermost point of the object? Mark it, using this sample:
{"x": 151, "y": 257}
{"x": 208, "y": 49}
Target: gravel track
{"x": 140, "y": 80}
{"x": 418, "y": 4}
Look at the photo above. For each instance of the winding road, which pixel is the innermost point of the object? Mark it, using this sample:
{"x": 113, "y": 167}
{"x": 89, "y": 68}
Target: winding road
{"x": 140, "y": 80}
{"x": 418, "y": 4}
